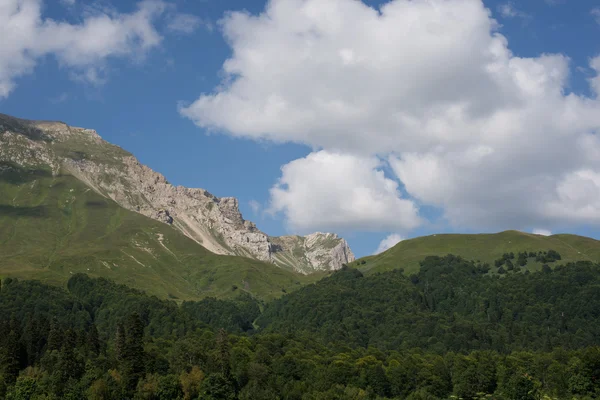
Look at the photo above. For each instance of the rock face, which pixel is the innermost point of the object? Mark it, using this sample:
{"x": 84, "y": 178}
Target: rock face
{"x": 315, "y": 252}
{"x": 215, "y": 223}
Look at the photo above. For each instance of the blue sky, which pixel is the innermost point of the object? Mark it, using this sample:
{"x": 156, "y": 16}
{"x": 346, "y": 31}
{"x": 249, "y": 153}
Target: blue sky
{"x": 137, "y": 97}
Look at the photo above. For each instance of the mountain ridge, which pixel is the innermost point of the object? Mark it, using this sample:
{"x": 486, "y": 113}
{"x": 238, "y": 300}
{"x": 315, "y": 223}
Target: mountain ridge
{"x": 213, "y": 222}
{"x": 485, "y": 247}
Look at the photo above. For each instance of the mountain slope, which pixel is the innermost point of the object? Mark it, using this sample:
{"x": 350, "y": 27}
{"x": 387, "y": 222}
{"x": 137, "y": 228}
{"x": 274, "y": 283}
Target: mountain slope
{"x": 52, "y": 227}
{"x": 483, "y": 247}
{"x": 449, "y": 305}
{"x": 54, "y": 224}
{"x": 215, "y": 223}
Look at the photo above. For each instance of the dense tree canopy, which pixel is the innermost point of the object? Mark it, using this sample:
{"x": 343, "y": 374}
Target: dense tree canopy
{"x": 451, "y": 331}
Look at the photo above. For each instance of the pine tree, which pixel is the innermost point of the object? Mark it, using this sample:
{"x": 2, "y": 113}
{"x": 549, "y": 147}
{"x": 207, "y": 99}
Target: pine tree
{"x": 223, "y": 352}
{"x": 11, "y": 363}
{"x": 55, "y": 336}
{"x": 120, "y": 342}
{"x": 93, "y": 340}
{"x": 134, "y": 358}
{"x": 68, "y": 364}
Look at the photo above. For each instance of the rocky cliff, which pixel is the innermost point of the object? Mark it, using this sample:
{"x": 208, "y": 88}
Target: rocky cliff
{"x": 216, "y": 223}
{"x": 315, "y": 252}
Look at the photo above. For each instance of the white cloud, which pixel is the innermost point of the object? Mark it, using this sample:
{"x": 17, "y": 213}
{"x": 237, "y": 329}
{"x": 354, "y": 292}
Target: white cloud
{"x": 186, "y": 23}
{"x": 596, "y": 14}
{"x": 508, "y": 10}
{"x": 340, "y": 191}
{"x": 388, "y": 243}
{"x": 595, "y": 81}
{"x": 492, "y": 139}
{"x": 27, "y": 37}
{"x": 543, "y": 232}
{"x": 68, "y": 3}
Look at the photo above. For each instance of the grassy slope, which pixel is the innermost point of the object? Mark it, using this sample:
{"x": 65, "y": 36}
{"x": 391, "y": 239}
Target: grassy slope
{"x": 484, "y": 247}
{"x": 52, "y": 227}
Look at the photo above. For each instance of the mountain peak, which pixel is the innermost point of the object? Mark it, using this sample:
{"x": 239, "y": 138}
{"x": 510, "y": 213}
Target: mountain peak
{"x": 215, "y": 223}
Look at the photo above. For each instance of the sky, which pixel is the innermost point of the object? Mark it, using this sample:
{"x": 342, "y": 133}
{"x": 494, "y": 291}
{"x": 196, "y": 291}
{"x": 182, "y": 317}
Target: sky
{"x": 377, "y": 120}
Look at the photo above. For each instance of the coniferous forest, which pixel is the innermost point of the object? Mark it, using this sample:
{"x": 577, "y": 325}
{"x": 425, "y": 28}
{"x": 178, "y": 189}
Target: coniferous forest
{"x": 453, "y": 330}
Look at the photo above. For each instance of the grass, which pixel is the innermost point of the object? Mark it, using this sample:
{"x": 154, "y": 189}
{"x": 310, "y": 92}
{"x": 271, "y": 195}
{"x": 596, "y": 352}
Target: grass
{"x": 53, "y": 227}
{"x": 483, "y": 247}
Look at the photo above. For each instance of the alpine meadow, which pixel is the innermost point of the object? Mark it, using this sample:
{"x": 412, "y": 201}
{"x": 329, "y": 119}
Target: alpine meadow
{"x": 299, "y": 200}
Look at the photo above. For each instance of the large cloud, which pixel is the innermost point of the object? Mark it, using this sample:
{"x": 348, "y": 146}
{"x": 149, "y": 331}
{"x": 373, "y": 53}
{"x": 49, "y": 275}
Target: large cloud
{"x": 27, "y": 37}
{"x": 493, "y": 139}
{"x": 340, "y": 191}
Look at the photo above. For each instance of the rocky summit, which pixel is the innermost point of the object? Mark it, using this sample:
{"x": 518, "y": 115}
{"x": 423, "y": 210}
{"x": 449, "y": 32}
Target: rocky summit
{"x": 215, "y": 223}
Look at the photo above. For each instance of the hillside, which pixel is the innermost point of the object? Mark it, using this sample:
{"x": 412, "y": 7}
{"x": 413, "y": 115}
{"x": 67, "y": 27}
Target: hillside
{"x": 483, "y": 247}
{"x": 215, "y": 223}
{"x": 52, "y": 227}
{"x": 451, "y": 304}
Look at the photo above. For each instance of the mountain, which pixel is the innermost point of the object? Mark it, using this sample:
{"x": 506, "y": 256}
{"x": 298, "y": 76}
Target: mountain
{"x": 486, "y": 248}
{"x": 71, "y": 202}
{"x": 316, "y": 252}
{"x": 215, "y": 223}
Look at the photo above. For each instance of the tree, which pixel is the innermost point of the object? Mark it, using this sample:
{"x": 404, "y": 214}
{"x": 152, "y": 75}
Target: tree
{"x": 169, "y": 388}
{"x": 120, "y": 342}
{"x": 11, "y": 354}
{"x": 93, "y": 340}
{"x": 55, "y": 335}
{"x": 223, "y": 352}
{"x": 377, "y": 380}
{"x": 190, "y": 383}
{"x": 134, "y": 358}
{"x": 217, "y": 386}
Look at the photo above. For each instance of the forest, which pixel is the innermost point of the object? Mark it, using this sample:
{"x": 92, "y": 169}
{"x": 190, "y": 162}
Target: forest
{"x": 454, "y": 330}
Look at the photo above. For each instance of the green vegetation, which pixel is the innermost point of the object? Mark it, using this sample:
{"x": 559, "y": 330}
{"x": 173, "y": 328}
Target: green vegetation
{"x": 52, "y": 227}
{"x": 449, "y": 305}
{"x": 486, "y": 248}
{"x": 467, "y": 334}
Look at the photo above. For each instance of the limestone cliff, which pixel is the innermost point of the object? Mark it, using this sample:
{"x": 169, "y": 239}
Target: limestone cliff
{"x": 216, "y": 223}
{"x": 315, "y": 252}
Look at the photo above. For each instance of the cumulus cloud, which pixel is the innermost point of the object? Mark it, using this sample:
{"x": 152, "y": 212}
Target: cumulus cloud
{"x": 388, "y": 243}
{"x": 492, "y": 139}
{"x": 543, "y": 232}
{"x": 27, "y": 37}
{"x": 339, "y": 191}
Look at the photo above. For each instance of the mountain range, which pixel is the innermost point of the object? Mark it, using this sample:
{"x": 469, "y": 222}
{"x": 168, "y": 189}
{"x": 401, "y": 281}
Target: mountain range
{"x": 71, "y": 202}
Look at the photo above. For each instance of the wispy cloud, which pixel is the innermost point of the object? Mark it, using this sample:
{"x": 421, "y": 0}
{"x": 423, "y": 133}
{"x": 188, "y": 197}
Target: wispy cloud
{"x": 508, "y": 10}
{"x": 186, "y": 23}
{"x": 596, "y": 14}
{"x": 61, "y": 98}
{"x": 83, "y": 48}
{"x": 255, "y": 206}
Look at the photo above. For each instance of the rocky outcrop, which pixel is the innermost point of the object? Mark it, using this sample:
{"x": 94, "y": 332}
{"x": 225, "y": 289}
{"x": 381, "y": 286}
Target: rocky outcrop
{"x": 315, "y": 252}
{"x": 215, "y": 223}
